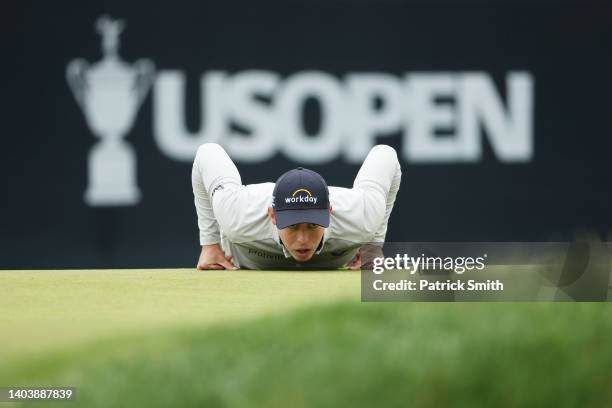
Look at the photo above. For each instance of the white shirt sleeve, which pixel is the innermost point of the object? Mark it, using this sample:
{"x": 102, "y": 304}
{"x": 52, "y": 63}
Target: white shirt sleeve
{"x": 380, "y": 177}
{"x": 212, "y": 169}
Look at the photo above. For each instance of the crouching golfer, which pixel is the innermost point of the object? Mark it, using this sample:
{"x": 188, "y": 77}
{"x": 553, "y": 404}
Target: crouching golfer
{"x": 295, "y": 223}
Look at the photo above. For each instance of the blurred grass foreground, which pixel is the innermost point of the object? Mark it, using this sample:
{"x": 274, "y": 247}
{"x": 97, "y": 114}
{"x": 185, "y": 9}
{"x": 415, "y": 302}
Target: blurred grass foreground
{"x": 191, "y": 339}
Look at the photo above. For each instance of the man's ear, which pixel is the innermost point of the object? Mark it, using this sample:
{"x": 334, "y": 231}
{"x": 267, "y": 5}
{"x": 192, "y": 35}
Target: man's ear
{"x": 271, "y": 215}
{"x": 330, "y": 209}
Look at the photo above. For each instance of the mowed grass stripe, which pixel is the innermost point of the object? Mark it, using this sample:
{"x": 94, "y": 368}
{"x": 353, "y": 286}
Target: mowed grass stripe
{"x": 42, "y": 311}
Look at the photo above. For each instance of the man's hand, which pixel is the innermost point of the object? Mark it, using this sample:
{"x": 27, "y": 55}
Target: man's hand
{"x": 365, "y": 256}
{"x": 212, "y": 257}
{"x": 355, "y": 263}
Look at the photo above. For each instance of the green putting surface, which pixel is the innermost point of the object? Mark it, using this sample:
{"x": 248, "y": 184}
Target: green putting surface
{"x": 159, "y": 338}
{"x": 43, "y": 311}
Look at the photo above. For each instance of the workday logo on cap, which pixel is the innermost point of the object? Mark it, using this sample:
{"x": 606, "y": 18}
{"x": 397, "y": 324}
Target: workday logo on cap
{"x": 301, "y": 196}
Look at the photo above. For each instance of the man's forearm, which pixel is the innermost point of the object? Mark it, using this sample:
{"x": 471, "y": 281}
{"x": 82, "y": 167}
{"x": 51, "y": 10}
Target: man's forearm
{"x": 381, "y": 175}
{"x": 207, "y": 223}
{"x": 212, "y": 169}
{"x": 382, "y": 231}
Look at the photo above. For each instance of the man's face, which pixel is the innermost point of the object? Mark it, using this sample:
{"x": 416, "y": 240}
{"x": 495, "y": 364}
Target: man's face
{"x": 300, "y": 240}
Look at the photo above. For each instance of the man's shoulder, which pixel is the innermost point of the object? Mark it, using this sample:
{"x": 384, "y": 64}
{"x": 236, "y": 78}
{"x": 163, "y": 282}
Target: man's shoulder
{"x": 251, "y": 221}
{"x": 349, "y": 215}
{"x": 346, "y": 201}
{"x": 258, "y": 195}
{"x": 263, "y": 188}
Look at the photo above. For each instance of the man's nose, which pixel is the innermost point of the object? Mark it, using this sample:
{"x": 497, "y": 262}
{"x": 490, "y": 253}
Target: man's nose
{"x": 302, "y": 235}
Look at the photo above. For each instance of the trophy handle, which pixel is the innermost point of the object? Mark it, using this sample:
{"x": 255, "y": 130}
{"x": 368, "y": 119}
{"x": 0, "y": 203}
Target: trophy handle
{"x": 75, "y": 75}
{"x": 145, "y": 71}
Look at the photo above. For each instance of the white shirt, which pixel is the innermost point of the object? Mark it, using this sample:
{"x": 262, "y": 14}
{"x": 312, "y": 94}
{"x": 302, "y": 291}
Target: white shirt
{"x": 238, "y": 217}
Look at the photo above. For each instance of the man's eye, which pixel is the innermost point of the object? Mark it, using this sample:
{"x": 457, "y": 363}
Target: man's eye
{"x": 312, "y": 226}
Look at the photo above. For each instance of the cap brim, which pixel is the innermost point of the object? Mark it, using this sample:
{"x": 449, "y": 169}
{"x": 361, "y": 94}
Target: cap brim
{"x": 286, "y": 218}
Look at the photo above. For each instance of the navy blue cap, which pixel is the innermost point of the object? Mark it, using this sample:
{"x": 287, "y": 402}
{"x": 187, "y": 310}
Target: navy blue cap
{"x": 301, "y": 196}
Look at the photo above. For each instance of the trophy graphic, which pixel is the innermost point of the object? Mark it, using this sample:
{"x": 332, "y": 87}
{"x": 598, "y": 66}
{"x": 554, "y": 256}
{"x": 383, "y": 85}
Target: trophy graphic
{"x": 110, "y": 93}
